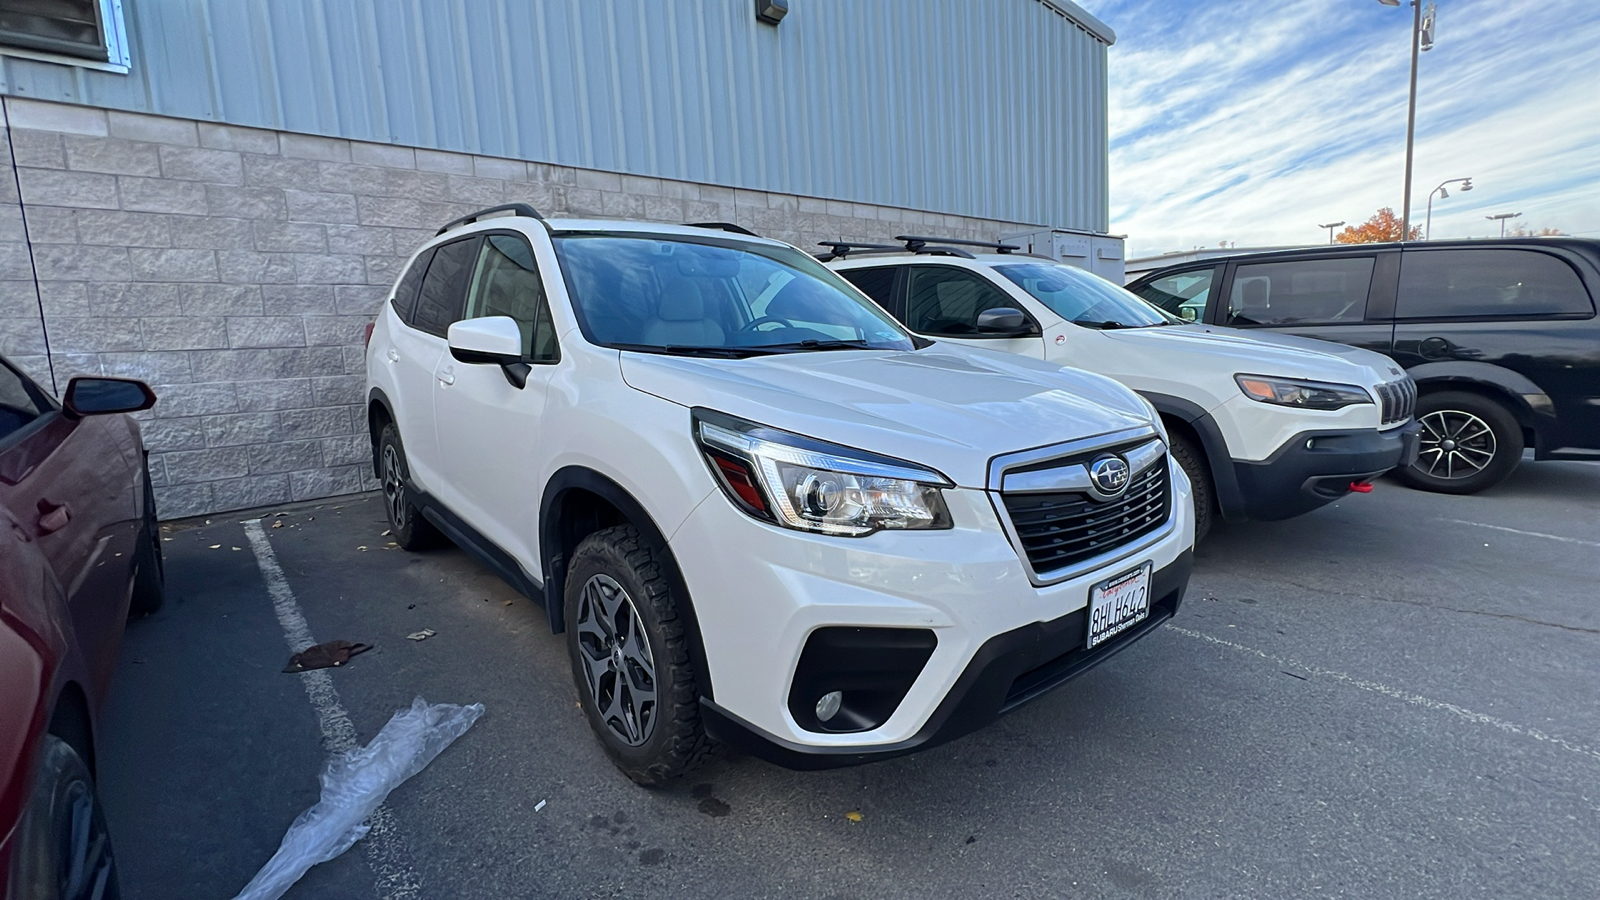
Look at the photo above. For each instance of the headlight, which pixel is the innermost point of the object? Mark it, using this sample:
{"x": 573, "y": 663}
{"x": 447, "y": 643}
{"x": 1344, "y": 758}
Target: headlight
{"x": 1302, "y": 394}
{"x": 812, "y": 485}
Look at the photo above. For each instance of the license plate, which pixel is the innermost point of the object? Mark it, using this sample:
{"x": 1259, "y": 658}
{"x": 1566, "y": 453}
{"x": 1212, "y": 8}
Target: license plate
{"x": 1118, "y": 604}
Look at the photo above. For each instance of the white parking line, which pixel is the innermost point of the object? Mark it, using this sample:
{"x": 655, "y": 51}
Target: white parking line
{"x": 1397, "y": 694}
{"x": 1537, "y": 534}
{"x": 384, "y": 845}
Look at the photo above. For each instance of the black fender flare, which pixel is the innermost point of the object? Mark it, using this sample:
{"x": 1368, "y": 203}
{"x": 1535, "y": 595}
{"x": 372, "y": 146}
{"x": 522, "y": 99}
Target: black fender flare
{"x": 1225, "y": 482}
{"x": 1526, "y": 400}
{"x": 376, "y": 395}
{"x": 554, "y": 563}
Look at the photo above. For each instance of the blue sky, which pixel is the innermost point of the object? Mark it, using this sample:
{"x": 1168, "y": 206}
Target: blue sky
{"x": 1253, "y": 122}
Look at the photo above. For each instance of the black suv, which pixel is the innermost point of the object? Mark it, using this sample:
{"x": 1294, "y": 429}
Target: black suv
{"x": 1500, "y": 336}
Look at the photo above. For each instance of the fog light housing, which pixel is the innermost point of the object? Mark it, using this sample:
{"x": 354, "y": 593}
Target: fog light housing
{"x": 828, "y": 705}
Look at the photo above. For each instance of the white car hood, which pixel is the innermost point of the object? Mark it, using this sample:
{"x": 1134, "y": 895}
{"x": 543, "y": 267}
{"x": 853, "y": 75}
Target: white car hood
{"x": 949, "y": 408}
{"x": 1264, "y": 353}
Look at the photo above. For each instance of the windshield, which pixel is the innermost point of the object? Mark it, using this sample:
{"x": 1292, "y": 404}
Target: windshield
{"x": 1082, "y": 298}
{"x": 714, "y": 297}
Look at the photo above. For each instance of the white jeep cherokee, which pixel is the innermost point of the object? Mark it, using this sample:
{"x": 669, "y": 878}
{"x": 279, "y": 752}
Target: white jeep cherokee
{"x": 760, "y": 510}
{"x": 1266, "y": 426}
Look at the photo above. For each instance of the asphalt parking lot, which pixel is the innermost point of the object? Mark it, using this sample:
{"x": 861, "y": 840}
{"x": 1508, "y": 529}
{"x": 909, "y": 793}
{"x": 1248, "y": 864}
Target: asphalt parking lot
{"x": 1396, "y": 696}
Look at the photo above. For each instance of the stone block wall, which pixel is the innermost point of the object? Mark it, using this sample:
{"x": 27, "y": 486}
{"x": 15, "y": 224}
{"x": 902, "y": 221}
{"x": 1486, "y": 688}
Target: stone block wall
{"x": 235, "y": 269}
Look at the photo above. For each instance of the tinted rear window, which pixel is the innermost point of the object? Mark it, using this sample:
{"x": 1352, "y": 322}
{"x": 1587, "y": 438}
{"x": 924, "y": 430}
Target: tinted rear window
{"x": 875, "y": 283}
{"x": 405, "y": 294}
{"x": 1469, "y": 283}
{"x": 443, "y": 291}
{"x": 1300, "y": 292}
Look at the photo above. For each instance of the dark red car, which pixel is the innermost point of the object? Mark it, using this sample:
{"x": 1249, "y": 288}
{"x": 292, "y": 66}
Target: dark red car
{"x": 81, "y": 552}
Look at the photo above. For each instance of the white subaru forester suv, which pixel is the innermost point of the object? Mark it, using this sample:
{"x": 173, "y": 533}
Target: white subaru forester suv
{"x": 762, "y": 512}
{"x": 1266, "y": 426}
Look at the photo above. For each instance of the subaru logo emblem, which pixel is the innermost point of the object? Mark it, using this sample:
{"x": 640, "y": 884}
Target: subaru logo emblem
{"x": 1109, "y": 475}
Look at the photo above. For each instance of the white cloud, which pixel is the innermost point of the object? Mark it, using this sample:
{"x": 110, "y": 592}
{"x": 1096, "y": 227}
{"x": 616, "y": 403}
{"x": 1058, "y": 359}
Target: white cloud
{"x": 1252, "y": 124}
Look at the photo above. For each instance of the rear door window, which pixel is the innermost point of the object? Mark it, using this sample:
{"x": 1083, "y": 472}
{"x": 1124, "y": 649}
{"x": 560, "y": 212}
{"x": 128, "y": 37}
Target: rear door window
{"x": 876, "y": 282}
{"x": 439, "y": 302}
{"x": 1300, "y": 292}
{"x": 405, "y": 293}
{"x": 20, "y": 402}
{"x": 1184, "y": 294}
{"x": 1436, "y": 284}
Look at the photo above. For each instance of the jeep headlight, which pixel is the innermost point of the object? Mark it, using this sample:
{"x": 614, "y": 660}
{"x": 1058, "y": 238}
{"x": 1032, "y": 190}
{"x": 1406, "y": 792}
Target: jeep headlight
{"x": 812, "y": 485}
{"x": 1301, "y": 394}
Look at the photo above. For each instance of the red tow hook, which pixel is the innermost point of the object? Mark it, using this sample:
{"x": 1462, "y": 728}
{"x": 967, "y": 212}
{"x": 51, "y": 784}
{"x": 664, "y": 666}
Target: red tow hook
{"x": 1360, "y": 487}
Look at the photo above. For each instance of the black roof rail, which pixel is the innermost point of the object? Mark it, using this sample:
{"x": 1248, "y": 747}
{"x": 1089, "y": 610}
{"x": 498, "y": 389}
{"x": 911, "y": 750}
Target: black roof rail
{"x": 722, "y": 226}
{"x": 516, "y": 209}
{"x": 842, "y": 249}
{"x": 917, "y": 244}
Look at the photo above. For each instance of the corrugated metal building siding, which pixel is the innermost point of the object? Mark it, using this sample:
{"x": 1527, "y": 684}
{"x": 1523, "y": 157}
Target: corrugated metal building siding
{"x": 990, "y": 108}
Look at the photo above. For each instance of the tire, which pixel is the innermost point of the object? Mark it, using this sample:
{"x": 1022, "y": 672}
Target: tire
{"x": 1193, "y": 462}
{"x": 1469, "y": 443}
{"x": 406, "y": 523}
{"x": 639, "y": 696}
{"x": 150, "y": 568}
{"x": 62, "y": 850}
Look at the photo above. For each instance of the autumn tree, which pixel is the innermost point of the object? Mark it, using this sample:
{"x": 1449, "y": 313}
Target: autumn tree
{"x": 1383, "y": 226}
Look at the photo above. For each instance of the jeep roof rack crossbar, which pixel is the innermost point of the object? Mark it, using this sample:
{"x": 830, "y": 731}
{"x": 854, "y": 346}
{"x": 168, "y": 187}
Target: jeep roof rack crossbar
{"x": 515, "y": 209}
{"x": 842, "y": 249}
{"x": 916, "y": 244}
{"x": 722, "y": 226}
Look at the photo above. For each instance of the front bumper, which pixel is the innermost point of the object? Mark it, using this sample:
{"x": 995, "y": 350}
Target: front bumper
{"x": 761, "y": 593}
{"x": 1315, "y": 468}
{"x": 1009, "y": 670}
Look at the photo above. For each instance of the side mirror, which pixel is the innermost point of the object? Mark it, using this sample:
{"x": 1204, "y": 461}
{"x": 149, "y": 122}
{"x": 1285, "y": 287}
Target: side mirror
{"x": 1189, "y": 313}
{"x": 1004, "y": 321}
{"x": 493, "y": 340}
{"x": 106, "y": 396}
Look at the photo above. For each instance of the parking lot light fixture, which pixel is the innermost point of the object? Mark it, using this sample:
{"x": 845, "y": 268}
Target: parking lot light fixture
{"x": 1418, "y": 44}
{"x": 1331, "y": 226}
{"x": 1466, "y": 185}
{"x": 1501, "y": 218}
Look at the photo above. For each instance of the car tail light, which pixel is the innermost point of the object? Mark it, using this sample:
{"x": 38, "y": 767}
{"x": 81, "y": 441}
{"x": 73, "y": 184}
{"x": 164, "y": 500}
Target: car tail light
{"x": 366, "y": 339}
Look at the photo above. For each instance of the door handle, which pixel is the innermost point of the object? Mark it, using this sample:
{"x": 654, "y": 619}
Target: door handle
{"x": 393, "y": 354}
{"x": 447, "y": 375}
{"x": 53, "y": 516}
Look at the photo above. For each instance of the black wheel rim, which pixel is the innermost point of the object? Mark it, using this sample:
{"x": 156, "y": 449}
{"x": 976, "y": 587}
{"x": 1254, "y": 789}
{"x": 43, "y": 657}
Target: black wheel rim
{"x": 394, "y": 486}
{"x": 1455, "y": 445}
{"x": 87, "y": 868}
{"x": 618, "y": 668}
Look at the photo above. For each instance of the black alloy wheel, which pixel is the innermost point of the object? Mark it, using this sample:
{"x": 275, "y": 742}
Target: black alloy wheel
{"x": 62, "y": 850}
{"x": 406, "y": 523}
{"x": 630, "y": 657}
{"x": 1468, "y": 443}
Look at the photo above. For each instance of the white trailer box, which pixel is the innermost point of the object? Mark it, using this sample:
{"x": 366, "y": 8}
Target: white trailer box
{"x": 1099, "y": 253}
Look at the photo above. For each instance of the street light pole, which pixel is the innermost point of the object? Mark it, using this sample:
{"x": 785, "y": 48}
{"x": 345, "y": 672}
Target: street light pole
{"x": 1411, "y": 116}
{"x": 1466, "y": 185}
{"x": 1331, "y": 226}
{"x": 1502, "y": 217}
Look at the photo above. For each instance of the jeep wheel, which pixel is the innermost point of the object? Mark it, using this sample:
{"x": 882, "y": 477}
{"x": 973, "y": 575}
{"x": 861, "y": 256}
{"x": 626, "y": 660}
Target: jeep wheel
{"x": 1193, "y": 462}
{"x": 630, "y": 657}
{"x": 61, "y": 849}
{"x": 411, "y": 531}
{"x": 1469, "y": 443}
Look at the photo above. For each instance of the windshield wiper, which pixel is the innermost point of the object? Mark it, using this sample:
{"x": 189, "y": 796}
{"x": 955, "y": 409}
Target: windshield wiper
{"x": 1107, "y": 325}
{"x": 812, "y": 344}
{"x": 706, "y": 352}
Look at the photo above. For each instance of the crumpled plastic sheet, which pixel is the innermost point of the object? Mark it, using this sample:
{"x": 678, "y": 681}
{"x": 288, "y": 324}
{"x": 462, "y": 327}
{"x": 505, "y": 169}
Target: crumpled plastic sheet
{"x": 354, "y": 784}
